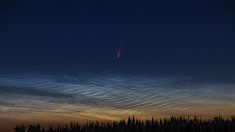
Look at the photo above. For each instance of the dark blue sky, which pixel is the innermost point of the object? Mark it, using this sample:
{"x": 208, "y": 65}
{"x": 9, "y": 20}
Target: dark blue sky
{"x": 167, "y": 35}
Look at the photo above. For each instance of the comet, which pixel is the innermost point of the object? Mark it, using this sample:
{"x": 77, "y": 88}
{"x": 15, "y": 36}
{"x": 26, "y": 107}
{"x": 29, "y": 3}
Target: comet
{"x": 122, "y": 43}
{"x": 119, "y": 52}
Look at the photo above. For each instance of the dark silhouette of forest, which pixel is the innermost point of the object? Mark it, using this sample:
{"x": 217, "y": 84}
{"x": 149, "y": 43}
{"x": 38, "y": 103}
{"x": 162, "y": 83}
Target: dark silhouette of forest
{"x": 173, "y": 124}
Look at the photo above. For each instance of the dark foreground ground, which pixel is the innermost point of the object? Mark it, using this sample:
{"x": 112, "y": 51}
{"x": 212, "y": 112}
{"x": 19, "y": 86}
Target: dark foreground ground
{"x": 173, "y": 124}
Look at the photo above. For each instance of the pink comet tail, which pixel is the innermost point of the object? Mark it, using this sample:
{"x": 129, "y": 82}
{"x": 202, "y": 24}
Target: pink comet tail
{"x": 119, "y": 53}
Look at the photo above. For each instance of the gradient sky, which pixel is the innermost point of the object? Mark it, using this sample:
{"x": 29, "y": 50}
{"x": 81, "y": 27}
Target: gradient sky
{"x": 59, "y": 59}
{"x": 171, "y": 35}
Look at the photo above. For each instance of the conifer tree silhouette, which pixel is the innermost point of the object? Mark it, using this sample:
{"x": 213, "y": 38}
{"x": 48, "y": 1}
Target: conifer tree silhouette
{"x": 173, "y": 124}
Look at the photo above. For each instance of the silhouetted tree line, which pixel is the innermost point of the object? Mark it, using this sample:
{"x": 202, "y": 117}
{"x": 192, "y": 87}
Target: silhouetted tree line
{"x": 173, "y": 124}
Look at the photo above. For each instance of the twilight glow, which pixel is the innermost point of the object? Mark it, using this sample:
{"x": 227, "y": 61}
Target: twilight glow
{"x": 105, "y": 60}
{"x": 58, "y": 97}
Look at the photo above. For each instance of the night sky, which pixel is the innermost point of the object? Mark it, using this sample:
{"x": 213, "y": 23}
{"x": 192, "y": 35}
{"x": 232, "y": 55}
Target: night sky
{"x": 73, "y": 60}
{"x": 166, "y": 35}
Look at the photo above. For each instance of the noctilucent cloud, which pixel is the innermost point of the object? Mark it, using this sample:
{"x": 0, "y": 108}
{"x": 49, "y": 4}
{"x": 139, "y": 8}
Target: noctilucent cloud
{"x": 106, "y": 60}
